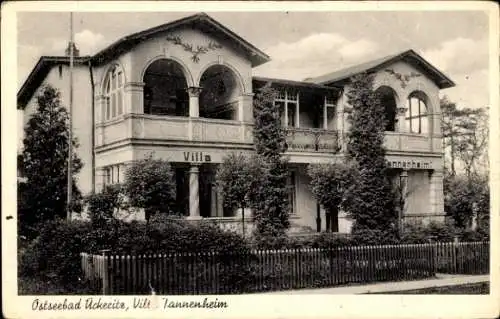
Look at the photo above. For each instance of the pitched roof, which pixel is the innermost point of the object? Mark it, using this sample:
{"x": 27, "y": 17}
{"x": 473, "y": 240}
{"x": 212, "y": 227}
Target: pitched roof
{"x": 409, "y": 56}
{"x": 200, "y": 20}
{"x": 38, "y": 74}
{"x": 301, "y": 84}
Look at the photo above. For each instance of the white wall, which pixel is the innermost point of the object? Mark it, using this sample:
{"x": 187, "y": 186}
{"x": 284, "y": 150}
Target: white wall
{"x": 81, "y": 114}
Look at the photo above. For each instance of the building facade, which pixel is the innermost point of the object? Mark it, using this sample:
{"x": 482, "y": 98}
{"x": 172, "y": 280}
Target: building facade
{"x": 183, "y": 91}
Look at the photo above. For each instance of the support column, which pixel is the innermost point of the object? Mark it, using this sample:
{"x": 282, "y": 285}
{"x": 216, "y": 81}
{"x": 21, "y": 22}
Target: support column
{"x": 325, "y": 116}
{"x": 401, "y": 116}
{"x": 194, "y": 104}
{"x": 134, "y": 97}
{"x": 403, "y": 179}
{"x": 245, "y": 107}
{"x": 297, "y": 112}
{"x": 194, "y": 193}
{"x": 436, "y": 195}
{"x": 286, "y": 115}
{"x": 194, "y": 110}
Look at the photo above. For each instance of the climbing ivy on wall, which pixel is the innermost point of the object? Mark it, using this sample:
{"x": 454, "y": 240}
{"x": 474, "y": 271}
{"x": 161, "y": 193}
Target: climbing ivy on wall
{"x": 270, "y": 203}
{"x": 371, "y": 201}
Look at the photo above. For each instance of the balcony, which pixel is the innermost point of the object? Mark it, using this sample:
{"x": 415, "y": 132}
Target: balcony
{"x": 177, "y": 128}
{"x": 203, "y": 130}
{"x": 409, "y": 142}
{"x": 312, "y": 140}
{"x": 173, "y": 128}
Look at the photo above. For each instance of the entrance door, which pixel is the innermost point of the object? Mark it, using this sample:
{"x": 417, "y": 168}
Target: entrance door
{"x": 207, "y": 187}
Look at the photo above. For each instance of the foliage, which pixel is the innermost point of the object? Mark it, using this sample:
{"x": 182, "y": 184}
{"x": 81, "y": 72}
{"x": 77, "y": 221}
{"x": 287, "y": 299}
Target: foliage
{"x": 465, "y": 135}
{"x": 149, "y": 184}
{"x": 466, "y": 197}
{"x": 102, "y": 206}
{"x": 329, "y": 182}
{"x": 237, "y": 178}
{"x": 270, "y": 203}
{"x": 370, "y": 201}
{"x": 433, "y": 231}
{"x": 43, "y": 194}
{"x": 54, "y": 256}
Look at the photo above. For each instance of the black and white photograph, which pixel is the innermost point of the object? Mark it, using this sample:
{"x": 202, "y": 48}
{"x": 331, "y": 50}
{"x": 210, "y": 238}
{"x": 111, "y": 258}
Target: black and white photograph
{"x": 174, "y": 159}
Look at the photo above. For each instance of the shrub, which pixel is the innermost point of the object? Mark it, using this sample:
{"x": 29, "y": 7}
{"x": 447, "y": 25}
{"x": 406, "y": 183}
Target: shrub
{"x": 102, "y": 206}
{"x": 54, "y": 256}
{"x": 328, "y": 240}
{"x": 149, "y": 184}
{"x": 375, "y": 237}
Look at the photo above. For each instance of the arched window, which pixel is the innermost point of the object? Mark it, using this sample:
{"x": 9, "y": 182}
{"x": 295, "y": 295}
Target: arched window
{"x": 113, "y": 93}
{"x": 417, "y": 120}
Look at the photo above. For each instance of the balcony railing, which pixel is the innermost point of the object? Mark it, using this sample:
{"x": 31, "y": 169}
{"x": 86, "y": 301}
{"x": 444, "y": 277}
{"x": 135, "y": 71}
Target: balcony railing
{"x": 301, "y": 140}
{"x": 409, "y": 142}
{"x": 311, "y": 140}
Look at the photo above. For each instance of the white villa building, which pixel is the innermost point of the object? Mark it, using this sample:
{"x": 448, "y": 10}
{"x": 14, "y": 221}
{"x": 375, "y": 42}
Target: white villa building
{"x": 183, "y": 91}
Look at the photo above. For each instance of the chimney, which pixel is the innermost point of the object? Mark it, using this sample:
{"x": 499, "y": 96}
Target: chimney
{"x": 76, "y": 52}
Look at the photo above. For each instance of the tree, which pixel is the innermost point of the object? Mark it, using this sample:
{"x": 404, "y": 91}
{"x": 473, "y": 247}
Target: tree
{"x": 465, "y": 135}
{"x": 329, "y": 183}
{"x": 473, "y": 140}
{"x": 270, "y": 205}
{"x": 466, "y": 197}
{"x": 237, "y": 178}
{"x": 149, "y": 184}
{"x": 370, "y": 201}
{"x": 43, "y": 193}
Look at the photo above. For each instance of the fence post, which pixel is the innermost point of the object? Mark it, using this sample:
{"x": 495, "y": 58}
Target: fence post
{"x": 106, "y": 288}
{"x": 455, "y": 255}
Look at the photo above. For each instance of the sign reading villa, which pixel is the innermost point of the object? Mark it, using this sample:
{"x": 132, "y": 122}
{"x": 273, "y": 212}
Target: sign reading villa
{"x": 196, "y": 157}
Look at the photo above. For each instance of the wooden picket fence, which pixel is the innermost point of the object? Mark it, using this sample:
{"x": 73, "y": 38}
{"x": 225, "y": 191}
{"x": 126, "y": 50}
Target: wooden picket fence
{"x": 463, "y": 258}
{"x": 268, "y": 270}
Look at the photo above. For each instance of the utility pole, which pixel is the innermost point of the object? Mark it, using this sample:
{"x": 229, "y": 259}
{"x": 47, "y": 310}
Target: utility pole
{"x": 70, "y": 112}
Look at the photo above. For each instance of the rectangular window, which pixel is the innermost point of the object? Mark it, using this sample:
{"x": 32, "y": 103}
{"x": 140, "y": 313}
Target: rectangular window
{"x": 292, "y": 111}
{"x": 329, "y": 101}
{"x": 281, "y": 106}
{"x": 120, "y": 79}
{"x": 108, "y": 108}
{"x": 113, "y": 81}
{"x": 113, "y": 105}
{"x": 120, "y": 103}
{"x": 107, "y": 176}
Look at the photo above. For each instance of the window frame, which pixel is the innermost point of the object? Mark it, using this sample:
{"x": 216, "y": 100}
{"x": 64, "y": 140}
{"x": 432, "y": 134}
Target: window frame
{"x": 114, "y": 93}
{"x": 289, "y": 97}
{"x": 409, "y": 117}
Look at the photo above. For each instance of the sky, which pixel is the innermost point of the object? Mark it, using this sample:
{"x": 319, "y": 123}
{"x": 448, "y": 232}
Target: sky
{"x": 301, "y": 44}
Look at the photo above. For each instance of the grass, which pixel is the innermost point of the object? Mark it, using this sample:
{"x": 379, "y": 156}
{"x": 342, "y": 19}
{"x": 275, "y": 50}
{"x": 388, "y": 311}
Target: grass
{"x": 482, "y": 288}
{"x": 38, "y": 286}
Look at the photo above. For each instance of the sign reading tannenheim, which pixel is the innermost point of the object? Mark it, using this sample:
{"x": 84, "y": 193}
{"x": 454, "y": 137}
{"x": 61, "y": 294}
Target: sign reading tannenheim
{"x": 410, "y": 164}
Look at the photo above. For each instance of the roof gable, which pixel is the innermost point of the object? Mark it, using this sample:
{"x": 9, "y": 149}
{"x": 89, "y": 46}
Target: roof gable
{"x": 411, "y": 57}
{"x": 201, "y": 21}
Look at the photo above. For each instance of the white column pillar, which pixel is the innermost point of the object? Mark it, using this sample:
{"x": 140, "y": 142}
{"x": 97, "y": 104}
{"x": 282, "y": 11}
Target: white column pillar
{"x": 325, "y": 116}
{"x": 297, "y": 112}
{"x": 194, "y": 106}
{"x": 401, "y": 116}
{"x": 403, "y": 178}
{"x": 436, "y": 195}
{"x": 194, "y": 194}
{"x": 134, "y": 97}
{"x": 286, "y": 114}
